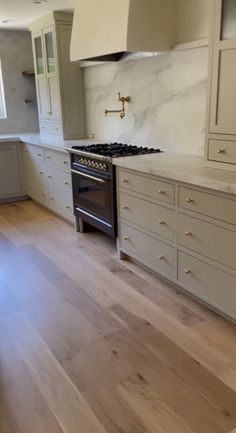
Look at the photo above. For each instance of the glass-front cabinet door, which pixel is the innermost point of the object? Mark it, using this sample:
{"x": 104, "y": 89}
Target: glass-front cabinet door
{"x": 49, "y": 50}
{"x": 39, "y": 58}
{"x": 223, "y": 79}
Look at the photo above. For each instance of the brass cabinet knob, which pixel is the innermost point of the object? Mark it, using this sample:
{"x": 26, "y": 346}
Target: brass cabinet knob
{"x": 65, "y": 162}
{"x": 161, "y": 222}
{"x": 187, "y": 271}
{"x": 125, "y": 207}
{"x": 49, "y": 177}
{"x": 68, "y": 207}
{"x": 125, "y": 181}
{"x": 39, "y": 155}
{"x": 161, "y": 257}
{"x": 189, "y": 200}
{"x": 49, "y": 157}
{"x": 220, "y": 150}
{"x": 67, "y": 183}
{"x": 41, "y": 172}
{"x": 126, "y": 238}
{"x": 188, "y": 233}
{"x": 161, "y": 191}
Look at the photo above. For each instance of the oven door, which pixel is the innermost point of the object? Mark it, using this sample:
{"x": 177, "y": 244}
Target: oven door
{"x": 92, "y": 195}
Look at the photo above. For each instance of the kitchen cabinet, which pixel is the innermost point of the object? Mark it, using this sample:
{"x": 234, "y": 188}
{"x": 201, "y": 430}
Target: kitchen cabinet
{"x": 47, "y": 179}
{"x": 59, "y": 83}
{"x": 10, "y": 171}
{"x": 221, "y": 125}
{"x": 188, "y": 239}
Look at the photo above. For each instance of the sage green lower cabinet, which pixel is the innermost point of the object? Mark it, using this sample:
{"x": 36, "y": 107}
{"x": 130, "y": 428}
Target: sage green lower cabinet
{"x": 47, "y": 179}
{"x": 10, "y": 171}
{"x": 189, "y": 237}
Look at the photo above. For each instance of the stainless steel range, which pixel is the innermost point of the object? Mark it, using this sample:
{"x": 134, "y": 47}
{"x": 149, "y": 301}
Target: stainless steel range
{"x": 94, "y": 183}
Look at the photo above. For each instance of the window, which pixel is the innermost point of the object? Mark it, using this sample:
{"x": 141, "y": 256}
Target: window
{"x": 3, "y": 112}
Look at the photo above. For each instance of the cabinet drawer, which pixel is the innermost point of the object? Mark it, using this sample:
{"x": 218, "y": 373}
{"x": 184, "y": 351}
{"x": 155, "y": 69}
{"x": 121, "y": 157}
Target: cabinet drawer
{"x": 59, "y": 179}
{"x": 216, "y": 207}
{"x": 60, "y": 160}
{"x": 38, "y": 192}
{"x": 151, "y": 252}
{"x": 35, "y": 152}
{"x": 208, "y": 239}
{"x": 153, "y": 217}
{"x": 222, "y": 151}
{"x": 206, "y": 280}
{"x": 153, "y": 188}
{"x": 61, "y": 203}
{"x": 50, "y": 127}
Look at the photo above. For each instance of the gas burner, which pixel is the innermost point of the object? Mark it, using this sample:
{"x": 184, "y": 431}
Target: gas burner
{"x": 115, "y": 150}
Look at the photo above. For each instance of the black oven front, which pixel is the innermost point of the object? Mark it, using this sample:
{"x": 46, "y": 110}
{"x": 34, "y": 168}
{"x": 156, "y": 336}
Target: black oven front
{"x": 94, "y": 197}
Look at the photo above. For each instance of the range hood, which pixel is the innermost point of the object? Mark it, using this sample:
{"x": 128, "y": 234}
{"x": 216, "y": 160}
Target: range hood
{"x": 109, "y": 30}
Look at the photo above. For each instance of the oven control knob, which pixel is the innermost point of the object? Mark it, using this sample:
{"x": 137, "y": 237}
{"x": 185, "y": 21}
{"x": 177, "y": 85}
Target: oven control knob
{"x": 89, "y": 163}
{"x": 96, "y": 165}
{"x": 85, "y": 162}
{"x": 100, "y": 166}
{"x": 81, "y": 160}
{"x": 92, "y": 164}
{"x": 104, "y": 167}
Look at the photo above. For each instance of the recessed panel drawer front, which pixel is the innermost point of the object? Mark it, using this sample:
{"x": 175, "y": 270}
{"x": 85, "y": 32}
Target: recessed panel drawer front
{"x": 61, "y": 203}
{"x": 153, "y": 188}
{"x": 60, "y": 160}
{"x": 153, "y": 217}
{"x": 149, "y": 251}
{"x": 50, "y": 127}
{"x": 222, "y": 151}
{"x": 207, "y": 239}
{"x": 59, "y": 179}
{"x": 214, "y": 284}
{"x": 35, "y": 152}
{"x": 216, "y": 207}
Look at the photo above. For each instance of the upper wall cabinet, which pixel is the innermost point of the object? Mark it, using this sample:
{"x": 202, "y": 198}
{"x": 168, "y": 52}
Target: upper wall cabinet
{"x": 59, "y": 83}
{"x": 221, "y": 136}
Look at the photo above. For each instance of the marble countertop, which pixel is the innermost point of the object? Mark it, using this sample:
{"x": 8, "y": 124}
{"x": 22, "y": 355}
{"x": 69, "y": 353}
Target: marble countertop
{"x": 44, "y": 141}
{"x": 182, "y": 168}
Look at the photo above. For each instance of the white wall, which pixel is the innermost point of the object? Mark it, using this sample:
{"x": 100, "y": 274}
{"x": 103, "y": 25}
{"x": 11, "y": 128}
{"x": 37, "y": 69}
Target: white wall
{"x": 16, "y": 56}
{"x": 168, "y": 100}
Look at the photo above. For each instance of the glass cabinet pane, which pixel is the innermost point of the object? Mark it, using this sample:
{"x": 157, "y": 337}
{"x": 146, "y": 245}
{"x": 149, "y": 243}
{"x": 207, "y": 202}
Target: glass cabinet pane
{"x": 228, "y": 19}
{"x": 49, "y": 52}
{"x": 39, "y": 54}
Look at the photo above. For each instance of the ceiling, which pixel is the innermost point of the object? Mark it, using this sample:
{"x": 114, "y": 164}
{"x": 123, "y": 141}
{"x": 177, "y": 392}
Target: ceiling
{"x": 23, "y": 12}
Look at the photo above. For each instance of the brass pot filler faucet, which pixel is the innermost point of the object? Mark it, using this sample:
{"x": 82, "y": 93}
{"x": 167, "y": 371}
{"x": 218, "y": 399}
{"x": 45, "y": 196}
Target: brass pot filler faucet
{"x": 121, "y": 99}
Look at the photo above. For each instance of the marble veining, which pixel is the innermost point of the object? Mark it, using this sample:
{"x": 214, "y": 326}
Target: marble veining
{"x": 168, "y": 100}
{"x": 179, "y": 167}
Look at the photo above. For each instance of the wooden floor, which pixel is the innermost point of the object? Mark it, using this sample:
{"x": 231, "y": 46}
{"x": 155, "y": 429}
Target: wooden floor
{"x": 92, "y": 344}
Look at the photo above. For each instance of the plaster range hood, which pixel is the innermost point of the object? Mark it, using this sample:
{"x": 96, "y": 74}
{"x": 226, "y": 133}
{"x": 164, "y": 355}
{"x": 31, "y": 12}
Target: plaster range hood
{"x": 111, "y": 30}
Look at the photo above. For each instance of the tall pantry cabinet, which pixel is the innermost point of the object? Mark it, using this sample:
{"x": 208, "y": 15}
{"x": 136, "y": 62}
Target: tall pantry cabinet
{"x": 221, "y": 133}
{"x": 59, "y": 83}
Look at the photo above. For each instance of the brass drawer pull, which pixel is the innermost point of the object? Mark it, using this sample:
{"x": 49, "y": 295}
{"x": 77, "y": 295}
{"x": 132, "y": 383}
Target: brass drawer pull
{"x": 161, "y": 191}
{"x": 49, "y": 157}
{"x": 125, "y": 181}
{"x": 39, "y": 155}
{"x": 68, "y": 207}
{"x": 161, "y": 222}
{"x": 125, "y": 207}
{"x": 65, "y": 162}
{"x": 220, "y": 151}
{"x": 41, "y": 172}
{"x": 161, "y": 257}
{"x": 67, "y": 183}
{"x": 126, "y": 238}
{"x": 189, "y": 200}
{"x": 49, "y": 177}
{"x": 188, "y": 233}
{"x": 187, "y": 271}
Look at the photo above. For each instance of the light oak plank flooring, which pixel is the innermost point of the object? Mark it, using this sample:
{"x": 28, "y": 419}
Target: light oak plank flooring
{"x": 92, "y": 344}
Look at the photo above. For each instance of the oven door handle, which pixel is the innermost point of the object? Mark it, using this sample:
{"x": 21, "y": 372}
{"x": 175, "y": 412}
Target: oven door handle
{"x": 79, "y": 173}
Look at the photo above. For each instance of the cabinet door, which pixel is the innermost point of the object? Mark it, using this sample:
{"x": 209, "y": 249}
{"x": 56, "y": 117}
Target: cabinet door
{"x": 38, "y": 54}
{"x": 54, "y": 111}
{"x": 10, "y": 177}
{"x": 223, "y": 87}
{"x": 42, "y": 96}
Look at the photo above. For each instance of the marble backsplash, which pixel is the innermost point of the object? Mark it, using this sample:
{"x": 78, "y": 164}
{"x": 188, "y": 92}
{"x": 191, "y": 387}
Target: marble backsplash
{"x": 168, "y": 100}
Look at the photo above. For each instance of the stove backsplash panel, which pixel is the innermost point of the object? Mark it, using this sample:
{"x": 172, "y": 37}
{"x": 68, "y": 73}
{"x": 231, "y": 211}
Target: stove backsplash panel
{"x": 168, "y": 100}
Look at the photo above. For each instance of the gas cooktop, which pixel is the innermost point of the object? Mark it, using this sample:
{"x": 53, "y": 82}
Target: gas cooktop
{"x": 114, "y": 150}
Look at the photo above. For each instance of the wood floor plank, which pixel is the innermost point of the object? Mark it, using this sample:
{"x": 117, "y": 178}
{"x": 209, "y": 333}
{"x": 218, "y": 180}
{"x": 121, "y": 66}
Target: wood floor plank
{"x": 19, "y": 394}
{"x": 54, "y": 384}
{"x": 101, "y": 344}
